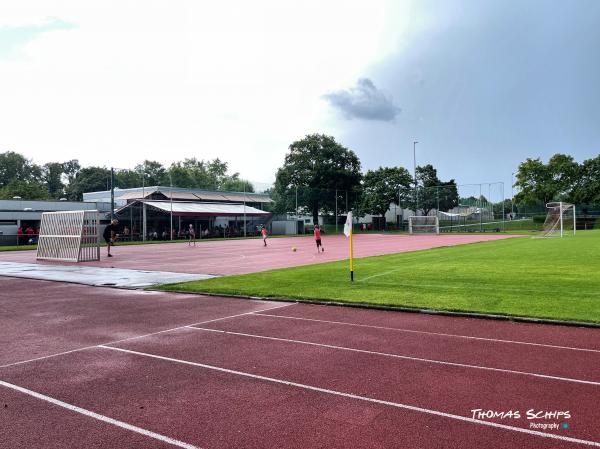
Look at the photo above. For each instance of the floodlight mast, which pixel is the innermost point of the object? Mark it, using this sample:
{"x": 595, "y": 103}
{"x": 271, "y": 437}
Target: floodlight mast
{"x": 415, "y": 142}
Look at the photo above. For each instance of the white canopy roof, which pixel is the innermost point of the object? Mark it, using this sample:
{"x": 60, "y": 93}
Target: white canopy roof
{"x": 211, "y": 209}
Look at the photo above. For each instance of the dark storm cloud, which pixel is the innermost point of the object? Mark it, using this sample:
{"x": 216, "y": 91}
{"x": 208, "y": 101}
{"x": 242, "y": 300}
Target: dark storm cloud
{"x": 485, "y": 85}
{"x": 364, "y": 101}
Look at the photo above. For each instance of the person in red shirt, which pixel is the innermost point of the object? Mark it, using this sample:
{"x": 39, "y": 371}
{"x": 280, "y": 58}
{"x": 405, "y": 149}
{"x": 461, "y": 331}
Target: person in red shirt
{"x": 264, "y": 234}
{"x": 318, "y": 238}
{"x": 20, "y": 235}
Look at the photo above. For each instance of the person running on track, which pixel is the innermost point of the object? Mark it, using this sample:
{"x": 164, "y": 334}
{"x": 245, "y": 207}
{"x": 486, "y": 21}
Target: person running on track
{"x": 318, "y": 238}
{"x": 263, "y": 232}
{"x": 192, "y": 235}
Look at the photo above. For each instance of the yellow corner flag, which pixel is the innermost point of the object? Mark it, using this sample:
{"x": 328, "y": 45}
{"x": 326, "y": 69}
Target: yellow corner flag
{"x": 348, "y": 233}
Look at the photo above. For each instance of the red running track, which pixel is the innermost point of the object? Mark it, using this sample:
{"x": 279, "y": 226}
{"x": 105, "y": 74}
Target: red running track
{"x": 249, "y": 256}
{"x": 207, "y": 372}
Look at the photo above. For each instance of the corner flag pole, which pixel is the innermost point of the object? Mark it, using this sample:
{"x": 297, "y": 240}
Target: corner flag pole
{"x": 348, "y": 233}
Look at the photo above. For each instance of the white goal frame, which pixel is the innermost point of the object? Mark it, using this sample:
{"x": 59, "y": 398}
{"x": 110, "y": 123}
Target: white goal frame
{"x": 69, "y": 236}
{"x": 554, "y": 223}
{"x": 429, "y": 224}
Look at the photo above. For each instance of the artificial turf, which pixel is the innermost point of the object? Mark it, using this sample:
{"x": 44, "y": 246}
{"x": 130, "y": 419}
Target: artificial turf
{"x": 543, "y": 278}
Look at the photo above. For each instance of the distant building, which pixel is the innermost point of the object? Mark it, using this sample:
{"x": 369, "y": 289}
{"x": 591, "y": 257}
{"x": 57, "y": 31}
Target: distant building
{"x": 158, "y": 211}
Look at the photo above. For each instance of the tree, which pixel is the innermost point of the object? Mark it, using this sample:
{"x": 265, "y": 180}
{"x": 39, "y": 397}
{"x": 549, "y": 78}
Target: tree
{"x": 317, "y": 166}
{"x": 88, "y": 179}
{"x": 127, "y": 179}
{"x": 154, "y": 174}
{"x": 447, "y": 195}
{"x": 432, "y": 193}
{"x": 543, "y": 183}
{"x": 587, "y": 189}
{"x": 52, "y": 173}
{"x": 201, "y": 174}
{"x": 56, "y": 176}
{"x": 15, "y": 167}
{"x": 27, "y": 190}
{"x": 235, "y": 184}
{"x": 383, "y": 187}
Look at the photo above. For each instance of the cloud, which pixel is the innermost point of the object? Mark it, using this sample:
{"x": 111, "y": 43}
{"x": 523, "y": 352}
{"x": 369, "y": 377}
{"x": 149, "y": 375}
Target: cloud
{"x": 12, "y": 39}
{"x": 364, "y": 101}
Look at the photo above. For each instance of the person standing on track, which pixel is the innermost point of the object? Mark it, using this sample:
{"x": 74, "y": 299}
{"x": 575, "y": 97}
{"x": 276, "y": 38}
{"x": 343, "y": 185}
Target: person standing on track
{"x": 192, "y": 235}
{"x": 263, "y": 232}
{"x": 110, "y": 234}
{"x": 317, "y": 233}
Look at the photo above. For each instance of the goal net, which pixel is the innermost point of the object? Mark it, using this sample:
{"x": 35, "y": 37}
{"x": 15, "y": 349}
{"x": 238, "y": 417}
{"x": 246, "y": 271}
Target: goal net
{"x": 423, "y": 225}
{"x": 69, "y": 236}
{"x": 560, "y": 220}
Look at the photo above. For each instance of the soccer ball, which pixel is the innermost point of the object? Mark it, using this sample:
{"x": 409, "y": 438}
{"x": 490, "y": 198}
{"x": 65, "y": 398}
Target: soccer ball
{"x": 294, "y": 248}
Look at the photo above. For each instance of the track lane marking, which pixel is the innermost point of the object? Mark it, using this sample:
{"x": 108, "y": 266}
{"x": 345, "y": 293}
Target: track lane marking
{"x": 99, "y": 417}
{"x": 370, "y": 326}
{"x": 360, "y": 398}
{"x": 404, "y": 357}
{"x": 140, "y": 336}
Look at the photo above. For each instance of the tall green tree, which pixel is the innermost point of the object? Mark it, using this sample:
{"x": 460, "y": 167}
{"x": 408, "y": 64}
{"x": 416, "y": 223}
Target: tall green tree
{"x": 587, "y": 188}
{"x": 56, "y": 176}
{"x": 543, "y": 183}
{"x": 27, "y": 190}
{"x": 153, "y": 172}
{"x": 383, "y": 187}
{"x": 88, "y": 179}
{"x": 201, "y": 174}
{"x": 15, "y": 167}
{"x": 432, "y": 193}
{"x": 127, "y": 179}
{"x": 317, "y": 166}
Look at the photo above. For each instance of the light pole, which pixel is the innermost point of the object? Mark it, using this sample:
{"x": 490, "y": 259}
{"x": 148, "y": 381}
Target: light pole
{"x": 415, "y": 174}
{"x": 171, "y": 195}
{"x": 512, "y": 198}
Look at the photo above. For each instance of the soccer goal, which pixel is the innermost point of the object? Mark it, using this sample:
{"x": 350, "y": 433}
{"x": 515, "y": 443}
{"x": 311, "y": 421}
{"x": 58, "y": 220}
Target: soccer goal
{"x": 560, "y": 221}
{"x": 423, "y": 225}
{"x": 69, "y": 236}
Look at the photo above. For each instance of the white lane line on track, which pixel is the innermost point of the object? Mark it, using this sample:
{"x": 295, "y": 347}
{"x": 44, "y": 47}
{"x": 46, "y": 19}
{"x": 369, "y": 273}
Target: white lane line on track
{"x": 370, "y": 326}
{"x": 361, "y": 398}
{"x": 404, "y": 357}
{"x": 99, "y": 417}
{"x": 142, "y": 336}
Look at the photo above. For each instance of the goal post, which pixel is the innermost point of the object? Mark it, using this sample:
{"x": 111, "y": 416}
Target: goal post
{"x": 69, "y": 236}
{"x": 561, "y": 220}
{"x": 423, "y": 225}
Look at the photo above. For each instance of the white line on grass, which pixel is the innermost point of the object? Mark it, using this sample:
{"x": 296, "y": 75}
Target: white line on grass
{"x": 496, "y": 340}
{"x": 142, "y": 336}
{"x": 99, "y": 417}
{"x": 361, "y": 398}
{"x": 404, "y": 357}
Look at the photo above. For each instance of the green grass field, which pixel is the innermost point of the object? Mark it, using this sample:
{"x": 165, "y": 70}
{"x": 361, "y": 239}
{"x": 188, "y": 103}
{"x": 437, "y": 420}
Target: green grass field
{"x": 543, "y": 278}
{"x": 17, "y": 247}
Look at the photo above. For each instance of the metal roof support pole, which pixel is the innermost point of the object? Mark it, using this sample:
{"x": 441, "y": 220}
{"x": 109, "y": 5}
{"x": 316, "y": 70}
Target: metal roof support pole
{"x": 144, "y": 221}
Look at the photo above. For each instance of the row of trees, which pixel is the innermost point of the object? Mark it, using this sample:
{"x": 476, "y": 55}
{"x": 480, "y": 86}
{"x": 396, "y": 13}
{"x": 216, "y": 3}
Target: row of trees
{"x": 560, "y": 179}
{"x": 21, "y": 177}
{"x": 318, "y": 174}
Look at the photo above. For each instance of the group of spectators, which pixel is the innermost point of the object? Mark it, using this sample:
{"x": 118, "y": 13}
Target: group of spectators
{"x": 29, "y": 236}
{"x": 184, "y": 233}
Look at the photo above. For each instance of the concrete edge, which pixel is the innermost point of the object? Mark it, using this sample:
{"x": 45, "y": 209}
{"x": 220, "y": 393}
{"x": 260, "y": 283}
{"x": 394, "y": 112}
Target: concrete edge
{"x": 361, "y": 305}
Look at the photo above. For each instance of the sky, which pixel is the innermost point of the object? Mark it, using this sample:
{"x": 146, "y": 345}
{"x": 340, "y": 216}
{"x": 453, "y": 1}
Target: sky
{"x": 480, "y": 84}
